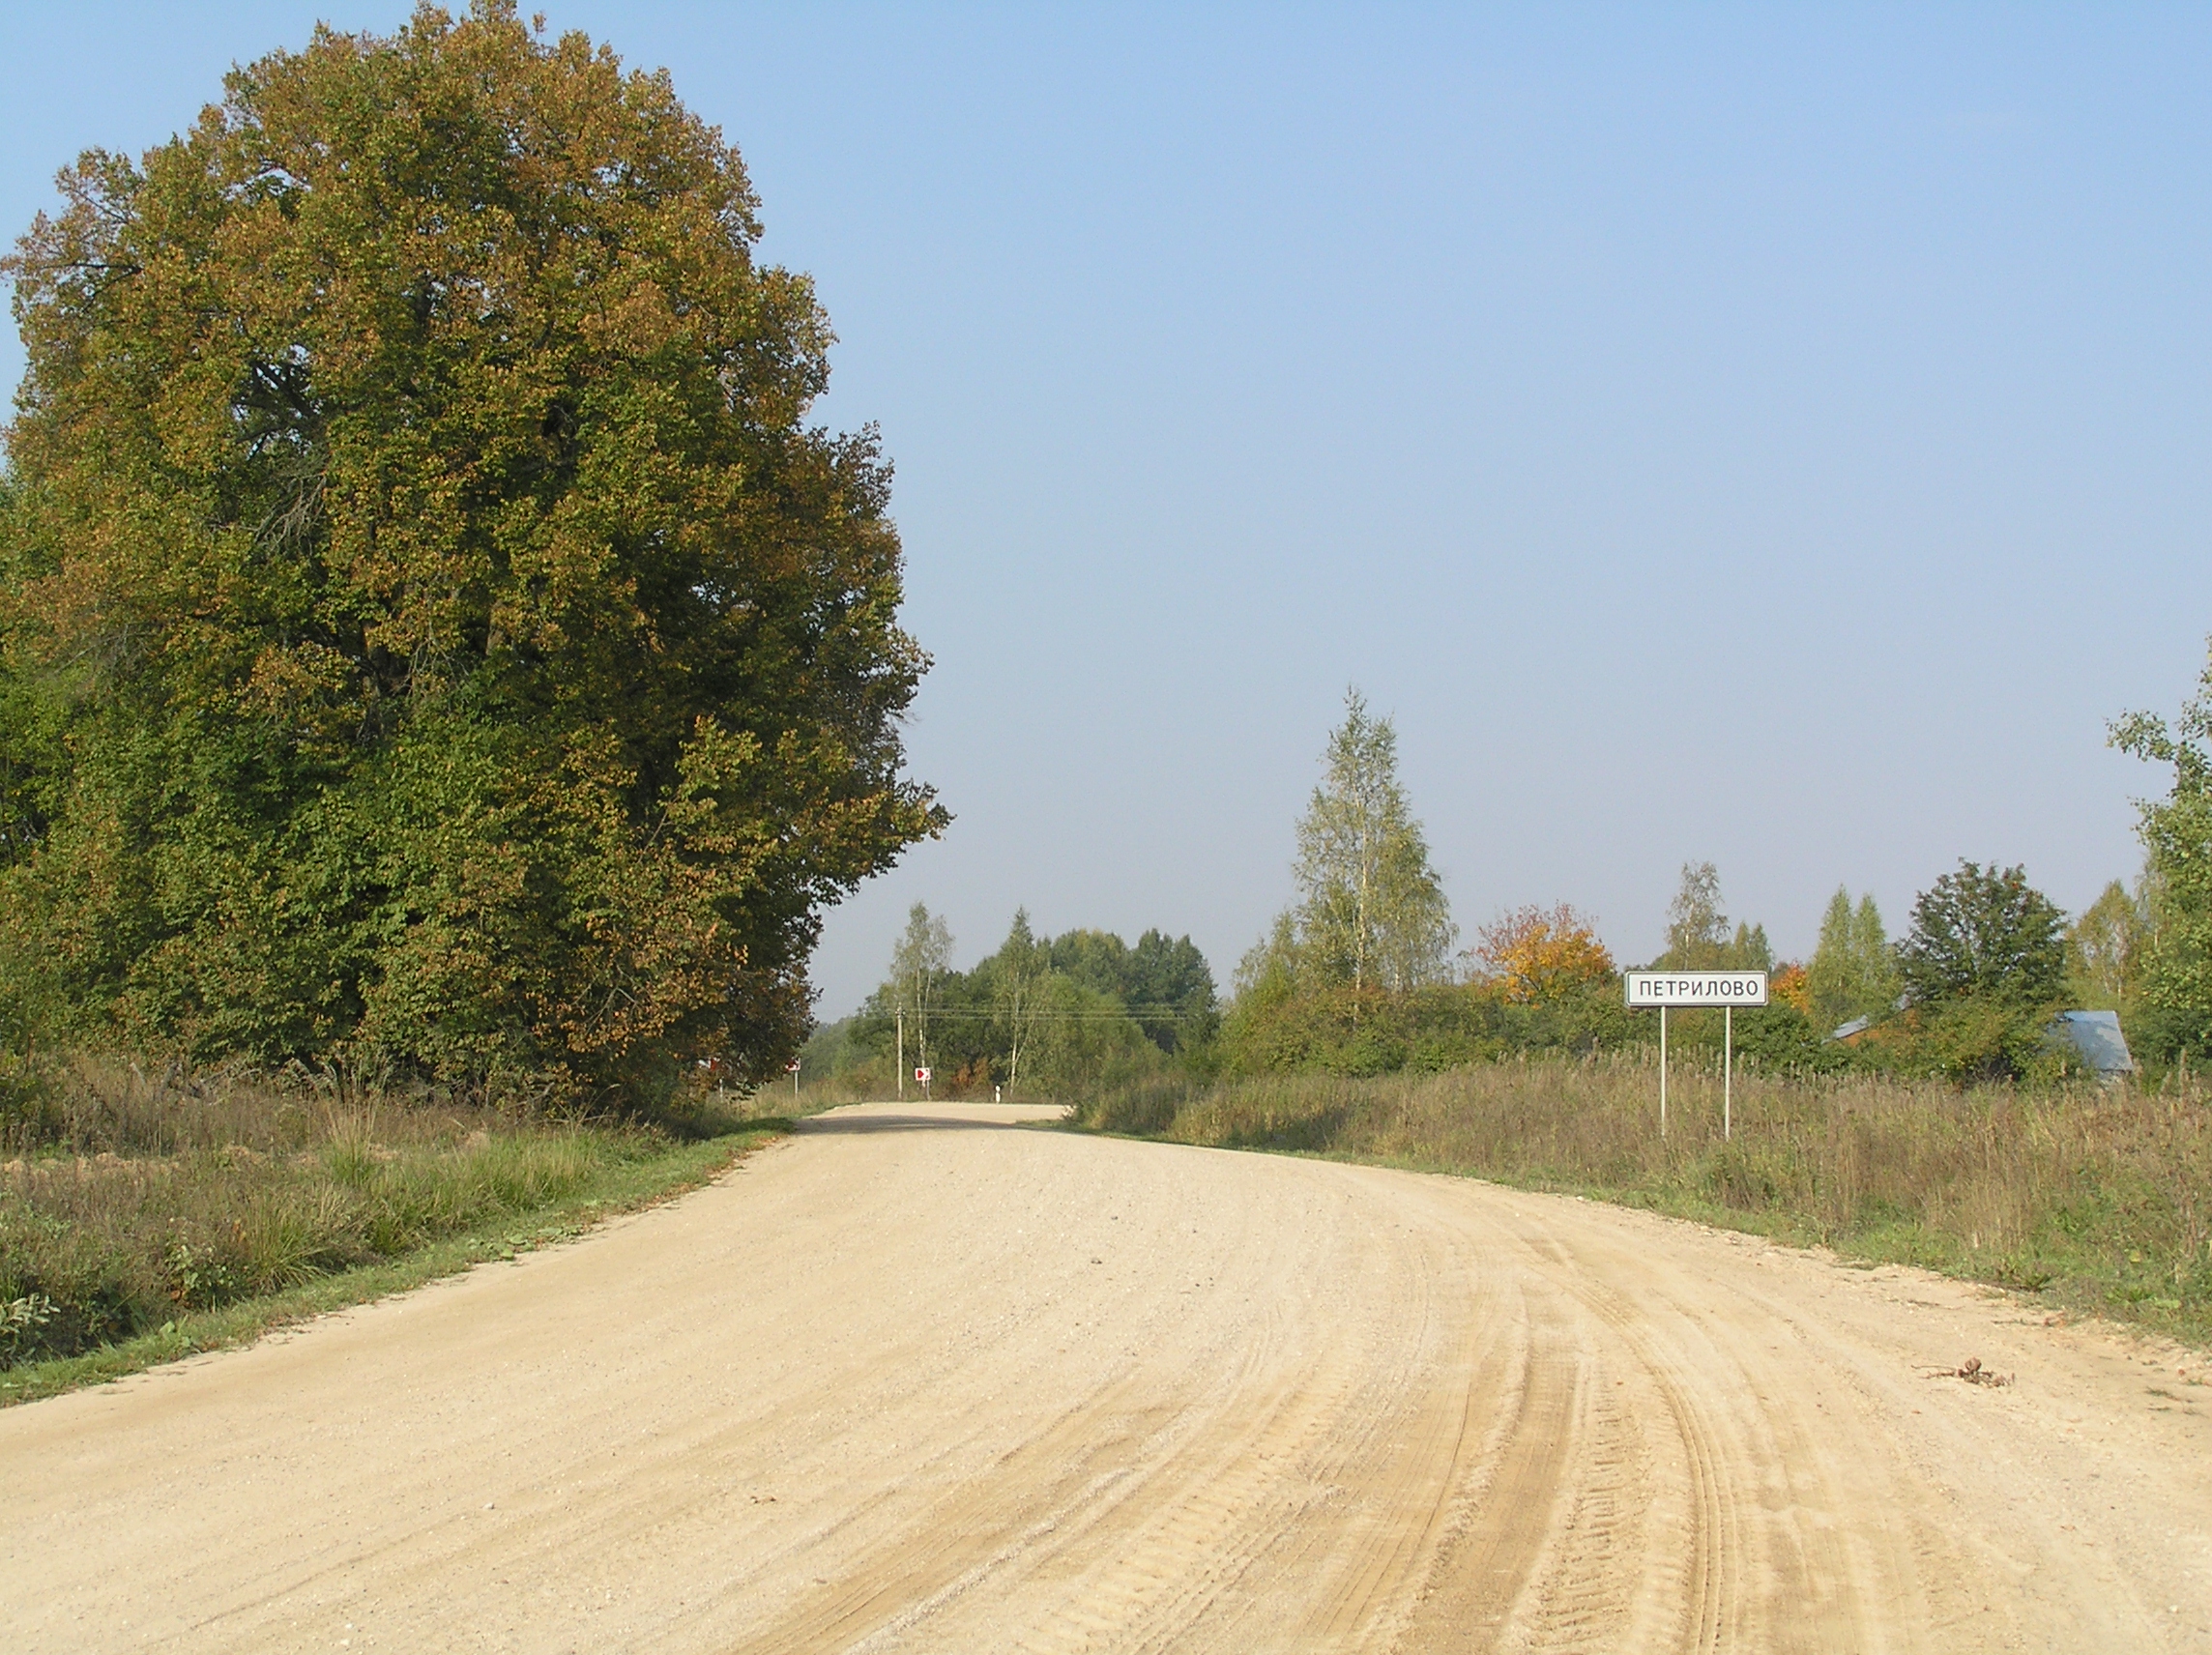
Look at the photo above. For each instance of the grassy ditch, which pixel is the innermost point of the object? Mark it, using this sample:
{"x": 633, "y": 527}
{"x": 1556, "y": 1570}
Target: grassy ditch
{"x": 142, "y": 1219}
{"x": 2100, "y": 1201}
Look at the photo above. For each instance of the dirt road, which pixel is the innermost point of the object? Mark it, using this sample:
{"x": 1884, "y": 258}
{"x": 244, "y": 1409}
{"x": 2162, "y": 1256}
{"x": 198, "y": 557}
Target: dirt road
{"x": 932, "y": 1381}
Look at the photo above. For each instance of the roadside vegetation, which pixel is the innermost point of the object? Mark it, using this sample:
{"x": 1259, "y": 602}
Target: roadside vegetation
{"x": 146, "y": 1214}
{"x": 2096, "y": 1199}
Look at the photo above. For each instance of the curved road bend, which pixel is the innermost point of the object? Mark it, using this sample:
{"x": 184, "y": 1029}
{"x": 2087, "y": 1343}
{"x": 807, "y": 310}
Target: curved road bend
{"x": 924, "y": 1380}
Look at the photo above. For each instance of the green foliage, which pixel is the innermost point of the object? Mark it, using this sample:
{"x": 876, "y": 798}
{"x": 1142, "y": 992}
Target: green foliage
{"x": 1099, "y": 960}
{"x": 920, "y": 961}
{"x": 1291, "y": 1015}
{"x": 1697, "y": 929}
{"x": 1853, "y": 970}
{"x": 1984, "y": 933}
{"x": 1084, "y": 1039}
{"x": 1750, "y": 950}
{"x": 1018, "y": 975}
{"x": 1698, "y": 935}
{"x": 2103, "y": 948}
{"x": 430, "y": 634}
{"x": 1164, "y": 981}
{"x": 1278, "y": 1028}
{"x": 1295, "y": 1014}
{"x": 1354, "y": 979}
{"x": 22, "y": 1326}
{"x": 2175, "y": 968}
{"x": 1275, "y": 966}
{"x": 1045, "y": 1017}
{"x": 1371, "y": 910}
{"x": 133, "y": 1201}
{"x": 1779, "y": 1039}
{"x": 1984, "y": 970}
{"x": 1978, "y": 1037}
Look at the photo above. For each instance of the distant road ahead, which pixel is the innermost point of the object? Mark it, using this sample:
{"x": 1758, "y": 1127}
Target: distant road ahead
{"x": 925, "y": 1379}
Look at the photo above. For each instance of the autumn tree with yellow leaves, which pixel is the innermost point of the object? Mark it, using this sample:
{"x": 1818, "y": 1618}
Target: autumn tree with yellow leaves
{"x": 1533, "y": 955}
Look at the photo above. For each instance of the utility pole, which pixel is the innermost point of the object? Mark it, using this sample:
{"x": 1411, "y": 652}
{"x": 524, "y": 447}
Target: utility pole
{"x": 902, "y": 1053}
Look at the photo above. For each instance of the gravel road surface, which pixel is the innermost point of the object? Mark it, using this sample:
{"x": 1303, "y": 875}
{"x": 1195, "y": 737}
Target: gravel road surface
{"x": 927, "y": 1379}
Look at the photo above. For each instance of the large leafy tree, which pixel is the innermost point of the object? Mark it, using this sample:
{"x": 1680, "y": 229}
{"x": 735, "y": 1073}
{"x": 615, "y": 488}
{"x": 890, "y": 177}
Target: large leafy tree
{"x": 1169, "y": 989}
{"x": 430, "y": 632}
{"x": 1987, "y": 934}
{"x": 1984, "y": 967}
{"x": 1164, "y": 981}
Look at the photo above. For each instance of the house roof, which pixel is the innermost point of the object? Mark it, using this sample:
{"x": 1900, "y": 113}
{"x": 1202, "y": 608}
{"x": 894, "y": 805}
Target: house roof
{"x": 2097, "y": 1036}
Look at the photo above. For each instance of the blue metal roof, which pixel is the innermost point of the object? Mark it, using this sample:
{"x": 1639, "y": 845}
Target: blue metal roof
{"x": 2097, "y": 1036}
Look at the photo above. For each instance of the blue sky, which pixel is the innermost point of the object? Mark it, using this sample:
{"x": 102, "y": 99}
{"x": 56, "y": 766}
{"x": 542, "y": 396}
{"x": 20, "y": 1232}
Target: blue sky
{"x": 1770, "y": 435}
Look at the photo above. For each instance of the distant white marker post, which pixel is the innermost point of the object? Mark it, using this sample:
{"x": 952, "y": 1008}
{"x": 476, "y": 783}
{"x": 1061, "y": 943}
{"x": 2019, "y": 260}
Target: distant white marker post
{"x": 1727, "y": 990}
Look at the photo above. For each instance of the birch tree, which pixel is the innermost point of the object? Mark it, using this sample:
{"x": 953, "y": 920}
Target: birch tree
{"x": 1018, "y": 972}
{"x": 1372, "y": 910}
{"x": 1696, "y": 927}
{"x": 921, "y": 957}
{"x": 2103, "y": 947}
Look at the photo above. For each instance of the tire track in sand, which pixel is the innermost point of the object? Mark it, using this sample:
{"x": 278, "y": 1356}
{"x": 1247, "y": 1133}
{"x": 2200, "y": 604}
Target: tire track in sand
{"x": 917, "y": 1389}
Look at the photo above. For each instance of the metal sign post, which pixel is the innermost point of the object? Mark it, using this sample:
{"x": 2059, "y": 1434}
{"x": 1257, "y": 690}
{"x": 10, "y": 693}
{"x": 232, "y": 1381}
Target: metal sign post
{"x": 1727, "y": 990}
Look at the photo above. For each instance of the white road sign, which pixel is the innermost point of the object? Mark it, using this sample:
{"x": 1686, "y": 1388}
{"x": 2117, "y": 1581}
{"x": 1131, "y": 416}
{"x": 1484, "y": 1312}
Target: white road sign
{"x": 921, "y": 1075}
{"x": 1697, "y": 988}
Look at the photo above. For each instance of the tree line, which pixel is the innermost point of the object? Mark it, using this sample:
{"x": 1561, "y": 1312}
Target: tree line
{"x": 1359, "y": 974}
{"x": 1037, "y": 1017}
{"x": 1969, "y": 991}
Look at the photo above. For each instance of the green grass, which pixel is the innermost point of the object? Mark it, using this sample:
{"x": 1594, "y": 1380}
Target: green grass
{"x": 143, "y": 1220}
{"x": 2096, "y": 1200}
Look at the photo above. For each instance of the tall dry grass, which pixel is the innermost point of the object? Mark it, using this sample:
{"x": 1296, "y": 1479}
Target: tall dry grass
{"x": 129, "y": 1195}
{"x": 2100, "y": 1197}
